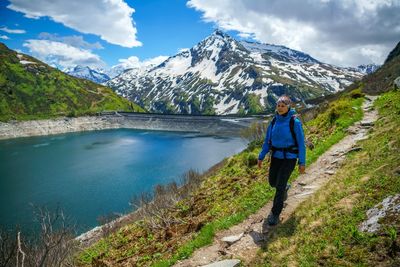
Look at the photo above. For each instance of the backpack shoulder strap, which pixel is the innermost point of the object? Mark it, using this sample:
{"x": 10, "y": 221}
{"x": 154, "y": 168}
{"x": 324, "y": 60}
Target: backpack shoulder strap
{"x": 272, "y": 126}
{"x": 291, "y": 124}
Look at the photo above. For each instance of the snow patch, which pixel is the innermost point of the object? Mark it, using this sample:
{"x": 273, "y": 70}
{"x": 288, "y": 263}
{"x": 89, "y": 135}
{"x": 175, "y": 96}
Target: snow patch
{"x": 24, "y": 62}
{"x": 221, "y": 108}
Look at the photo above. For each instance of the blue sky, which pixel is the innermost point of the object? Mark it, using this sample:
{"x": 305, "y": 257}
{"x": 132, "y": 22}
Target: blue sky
{"x": 110, "y": 32}
{"x": 163, "y": 28}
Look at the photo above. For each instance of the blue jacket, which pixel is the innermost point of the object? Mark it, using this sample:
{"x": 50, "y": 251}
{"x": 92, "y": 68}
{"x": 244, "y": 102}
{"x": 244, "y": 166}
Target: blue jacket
{"x": 281, "y": 137}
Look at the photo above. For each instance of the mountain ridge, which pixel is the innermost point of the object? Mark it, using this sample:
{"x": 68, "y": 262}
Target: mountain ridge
{"x": 219, "y": 75}
{"x": 85, "y": 72}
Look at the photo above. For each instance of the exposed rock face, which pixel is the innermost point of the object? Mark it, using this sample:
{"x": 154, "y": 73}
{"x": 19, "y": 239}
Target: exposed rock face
{"x": 397, "y": 82}
{"x": 382, "y": 213}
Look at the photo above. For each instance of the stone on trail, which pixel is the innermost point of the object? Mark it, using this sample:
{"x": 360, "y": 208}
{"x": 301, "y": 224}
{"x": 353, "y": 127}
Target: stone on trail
{"x": 304, "y": 194}
{"x": 367, "y": 123}
{"x": 232, "y": 239}
{"x": 310, "y": 187}
{"x": 224, "y": 263}
{"x": 354, "y": 149}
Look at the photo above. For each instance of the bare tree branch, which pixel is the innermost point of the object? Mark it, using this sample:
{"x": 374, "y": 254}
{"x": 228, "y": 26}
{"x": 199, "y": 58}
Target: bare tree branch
{"x": 20, "y": 251}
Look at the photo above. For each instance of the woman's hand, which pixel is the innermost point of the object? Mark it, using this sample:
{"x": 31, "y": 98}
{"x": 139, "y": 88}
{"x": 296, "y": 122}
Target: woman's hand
{"x": 259, "y": 163}
{"x": 302, "y": 169}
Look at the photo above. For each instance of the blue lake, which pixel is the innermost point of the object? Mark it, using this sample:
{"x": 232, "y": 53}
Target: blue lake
{"x": 97, "y": 173}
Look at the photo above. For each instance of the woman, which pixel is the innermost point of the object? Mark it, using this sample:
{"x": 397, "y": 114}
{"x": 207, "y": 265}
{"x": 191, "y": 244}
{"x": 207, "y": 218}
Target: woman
{"x": 286, "y": 146}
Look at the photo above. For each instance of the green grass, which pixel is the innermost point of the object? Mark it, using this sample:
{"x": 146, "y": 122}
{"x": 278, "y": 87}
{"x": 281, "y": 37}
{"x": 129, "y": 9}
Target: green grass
{"x": 38, "y": 91}
{"x": 324, "y": 229}
{"x": 224, "y": 199}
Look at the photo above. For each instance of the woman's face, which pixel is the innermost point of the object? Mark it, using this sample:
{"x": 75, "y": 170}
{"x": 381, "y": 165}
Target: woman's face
{"x": 282, "y": 108}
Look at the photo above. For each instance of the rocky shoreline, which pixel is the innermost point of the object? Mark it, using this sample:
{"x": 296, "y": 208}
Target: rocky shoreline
{"x": 199, "y": 124}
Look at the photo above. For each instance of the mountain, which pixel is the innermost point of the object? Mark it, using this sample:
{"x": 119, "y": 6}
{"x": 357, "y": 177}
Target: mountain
{"x": 31, "y": 89}
{"x": 221, "y": 75}
{"x": 394, "y": 53}
{"x": 115, "y": 71}
{"x": 382, "y": 80}
{"x": 367, "y": 68}
{"x": 85, "y": 72}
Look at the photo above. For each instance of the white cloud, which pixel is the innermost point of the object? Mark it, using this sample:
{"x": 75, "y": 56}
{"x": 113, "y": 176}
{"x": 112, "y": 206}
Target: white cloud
{"x": 155, "y": 61}
{"x": 109, "y": 19}
{"x": 4, "y": 37}
{"x": 62, "y": 55}
{"x": 342, "y": 32}
{"x": 74, "y": 40}
{"x": 16, "y": 31}
{"x": 131, "y": 62}
{"x": 134, "y": 62}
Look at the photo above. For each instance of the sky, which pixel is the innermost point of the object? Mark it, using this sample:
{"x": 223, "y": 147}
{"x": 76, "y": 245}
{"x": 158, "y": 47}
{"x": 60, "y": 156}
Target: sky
{"x": 134, "y": 33}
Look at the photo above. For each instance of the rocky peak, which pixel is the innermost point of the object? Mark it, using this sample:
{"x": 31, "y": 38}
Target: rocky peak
{"x": 221, "y": 75}
{"x": 279, "y": 52}
{"x": 88, "y": 73}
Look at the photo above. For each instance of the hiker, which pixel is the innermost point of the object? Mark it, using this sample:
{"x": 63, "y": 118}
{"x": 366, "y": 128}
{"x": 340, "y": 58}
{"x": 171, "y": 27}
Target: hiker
{"x": 285, "y": 140}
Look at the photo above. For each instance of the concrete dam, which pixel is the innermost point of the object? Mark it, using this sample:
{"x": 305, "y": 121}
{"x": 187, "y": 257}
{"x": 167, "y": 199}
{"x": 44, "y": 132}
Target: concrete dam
{"x": 208, "y": 125}
{"x": 212, "y": 125}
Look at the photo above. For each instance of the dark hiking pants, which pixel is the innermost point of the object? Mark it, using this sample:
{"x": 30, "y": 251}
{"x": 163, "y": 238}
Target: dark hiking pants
{"x": 279, "y": 173}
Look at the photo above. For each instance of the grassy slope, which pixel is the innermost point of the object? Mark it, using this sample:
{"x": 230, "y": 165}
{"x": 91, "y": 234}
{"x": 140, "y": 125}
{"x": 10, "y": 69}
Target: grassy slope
{"x": 324, "y": 229}
{"x": 38, "y": 91}
{"x": 237, "y": 189}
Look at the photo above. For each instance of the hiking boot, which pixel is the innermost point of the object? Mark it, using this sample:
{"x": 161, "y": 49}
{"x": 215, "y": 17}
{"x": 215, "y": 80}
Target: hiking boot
{"x": 272, "y": 219}
{"x": 285, "y": 195}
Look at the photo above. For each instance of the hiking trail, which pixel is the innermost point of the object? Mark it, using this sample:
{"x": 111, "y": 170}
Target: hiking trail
{"x": 240, "y": 244}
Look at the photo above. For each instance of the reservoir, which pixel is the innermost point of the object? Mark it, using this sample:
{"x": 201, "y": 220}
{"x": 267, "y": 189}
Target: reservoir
{"x": 92, "y": 174}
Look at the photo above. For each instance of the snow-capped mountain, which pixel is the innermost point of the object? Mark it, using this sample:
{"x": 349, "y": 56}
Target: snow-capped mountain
{"x": 221, "y": 75}
{"x": 85, "y": 72}
{"x": 116, "y": 70}
{"x": 367, "y": 68}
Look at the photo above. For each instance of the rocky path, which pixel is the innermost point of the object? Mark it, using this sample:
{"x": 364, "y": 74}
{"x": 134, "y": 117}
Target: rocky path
{"x": 240, "y": 243}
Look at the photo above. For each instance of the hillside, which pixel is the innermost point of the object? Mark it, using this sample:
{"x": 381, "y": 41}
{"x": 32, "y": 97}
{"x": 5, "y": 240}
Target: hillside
{"x": 382, "y": 79}
{"x": 328, "y": 225}
{"x": 324, "y": 230}
{"x": 223, "y": 197}
{"x": 30, "y": 89}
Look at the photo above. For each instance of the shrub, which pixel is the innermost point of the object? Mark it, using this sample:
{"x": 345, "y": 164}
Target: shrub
{"x": 255, "y": 133}
{"x": 356, "y": 93}
{"x": 252, "y": 159}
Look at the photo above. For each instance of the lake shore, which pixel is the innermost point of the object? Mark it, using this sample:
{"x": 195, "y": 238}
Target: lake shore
{"x": 200, "y": 124}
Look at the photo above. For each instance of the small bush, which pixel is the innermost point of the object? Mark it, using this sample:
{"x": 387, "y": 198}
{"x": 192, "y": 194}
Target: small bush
{"x": 251, "y": 159}
{"x": 356, "y": 93}
{"x": 255, "y": 133}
